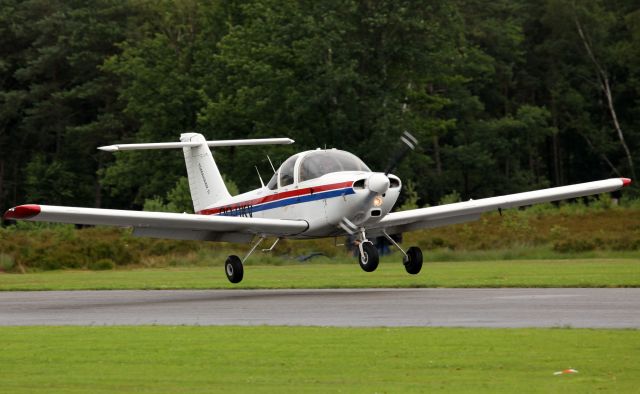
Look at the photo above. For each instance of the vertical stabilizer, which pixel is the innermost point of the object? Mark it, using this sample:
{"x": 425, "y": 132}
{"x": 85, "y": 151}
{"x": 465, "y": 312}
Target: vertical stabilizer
{"x": 205, "y": 180}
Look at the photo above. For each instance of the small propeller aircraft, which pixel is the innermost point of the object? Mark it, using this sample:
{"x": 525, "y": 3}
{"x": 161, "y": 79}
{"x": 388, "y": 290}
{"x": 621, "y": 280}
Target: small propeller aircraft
{"x": 314, "y": 194}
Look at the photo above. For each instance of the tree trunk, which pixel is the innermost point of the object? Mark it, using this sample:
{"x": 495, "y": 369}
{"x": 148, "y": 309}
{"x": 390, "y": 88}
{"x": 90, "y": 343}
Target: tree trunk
{"x": 556, "y": 160}
{"x": 1, "y": 185}
{"x": 97, "y": 188}
{"x": 2, "y": 206}
{"x": 602, "y": 156}
{"x": 436, "y": 154}
{"x": 98, "y": 193}
{"x": 15, "y": 183}
{"x": 614, "y": 117}
{"x": 604, "y": 84}
{"x": 554, "y": 139}
{"x": 532, "y": 163}
{"x": 465, "y": 176}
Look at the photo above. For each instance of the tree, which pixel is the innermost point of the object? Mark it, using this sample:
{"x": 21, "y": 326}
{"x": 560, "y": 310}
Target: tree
{"x": 585, "y": 80}
{"x": 160, "y": 76}
{"x": 59, "y": 105}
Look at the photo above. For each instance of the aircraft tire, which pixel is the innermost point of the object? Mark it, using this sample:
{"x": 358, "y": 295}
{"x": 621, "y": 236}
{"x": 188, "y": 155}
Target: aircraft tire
{"x": 370, "y": 258}
{"x": 413, "y": 264}
{"x": 233, "y": 268}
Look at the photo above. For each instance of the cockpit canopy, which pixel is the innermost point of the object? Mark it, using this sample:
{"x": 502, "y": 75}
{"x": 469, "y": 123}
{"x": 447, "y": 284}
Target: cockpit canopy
{"x": 314, "y": 164}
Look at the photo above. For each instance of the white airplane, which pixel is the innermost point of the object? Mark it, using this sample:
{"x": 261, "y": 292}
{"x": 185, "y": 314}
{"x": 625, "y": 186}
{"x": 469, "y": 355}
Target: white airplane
{"x": 314, "y": 194}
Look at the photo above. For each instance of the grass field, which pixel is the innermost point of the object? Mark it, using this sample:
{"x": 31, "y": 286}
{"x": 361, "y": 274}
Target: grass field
{"x": 516, "y": 273}
{"x": 159, "y": 359}
{"x": 288, "y": 359}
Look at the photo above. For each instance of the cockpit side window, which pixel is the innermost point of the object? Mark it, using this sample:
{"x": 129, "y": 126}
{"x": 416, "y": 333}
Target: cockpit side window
{"x": 319, "y": 163}
{"x": 286, "y": 171}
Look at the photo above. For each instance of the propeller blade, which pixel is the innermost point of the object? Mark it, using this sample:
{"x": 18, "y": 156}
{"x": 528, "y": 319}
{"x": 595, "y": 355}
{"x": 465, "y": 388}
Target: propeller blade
{"x": 348, "y": 226}
{"x": 410, "y": 143}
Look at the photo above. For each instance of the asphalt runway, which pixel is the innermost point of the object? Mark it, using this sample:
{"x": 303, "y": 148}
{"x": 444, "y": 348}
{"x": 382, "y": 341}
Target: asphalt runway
{"x": 595, "y": 308}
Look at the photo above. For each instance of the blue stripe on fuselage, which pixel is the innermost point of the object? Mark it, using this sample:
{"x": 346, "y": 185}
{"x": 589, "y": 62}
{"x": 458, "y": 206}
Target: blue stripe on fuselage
{"x": 294, "y": 200}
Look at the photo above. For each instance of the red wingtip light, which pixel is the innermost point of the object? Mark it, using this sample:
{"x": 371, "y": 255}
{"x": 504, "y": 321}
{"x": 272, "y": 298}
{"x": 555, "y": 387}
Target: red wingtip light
{"x": 22, "y": 212}
{"x": 626, "y": 182}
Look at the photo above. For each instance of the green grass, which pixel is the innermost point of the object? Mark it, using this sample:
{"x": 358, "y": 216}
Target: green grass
{"x": 390, "y": 273}
{"x": 290, "y": 359}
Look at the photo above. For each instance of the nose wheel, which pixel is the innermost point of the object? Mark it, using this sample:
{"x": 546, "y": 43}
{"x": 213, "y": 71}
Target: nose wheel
{"x": 368, "y": 256}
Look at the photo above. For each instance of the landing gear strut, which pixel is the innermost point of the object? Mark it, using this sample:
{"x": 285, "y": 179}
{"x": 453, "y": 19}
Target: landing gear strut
{"x": 412, "y": 259}
{"x": 233, "y": 266}
{"x": 367, "y": 253}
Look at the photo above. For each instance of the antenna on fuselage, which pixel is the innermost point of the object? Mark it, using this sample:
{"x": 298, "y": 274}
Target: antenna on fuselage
{"x": 272, "y": 167}
{"x": 259, "y": 177}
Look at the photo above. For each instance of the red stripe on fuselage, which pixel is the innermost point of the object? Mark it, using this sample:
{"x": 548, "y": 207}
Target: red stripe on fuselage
{"x": 277, "y": 196}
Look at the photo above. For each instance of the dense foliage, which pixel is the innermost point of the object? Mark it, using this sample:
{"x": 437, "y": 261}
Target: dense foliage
{"x": 504, "y": 95}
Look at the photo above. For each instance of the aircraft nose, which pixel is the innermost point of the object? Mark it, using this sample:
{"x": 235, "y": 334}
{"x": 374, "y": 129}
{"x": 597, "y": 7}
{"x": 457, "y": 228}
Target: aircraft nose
{"x": 378, "y": 183}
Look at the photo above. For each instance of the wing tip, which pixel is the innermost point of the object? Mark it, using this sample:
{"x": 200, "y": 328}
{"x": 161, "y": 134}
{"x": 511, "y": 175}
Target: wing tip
{"x": 22, "y": 212}
{"x": 625, "y": 182}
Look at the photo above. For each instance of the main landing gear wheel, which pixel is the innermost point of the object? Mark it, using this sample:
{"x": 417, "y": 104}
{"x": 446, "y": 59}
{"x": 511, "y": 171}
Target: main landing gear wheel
{"x": 368, "y": 257}
{"x": 413, "y": 261}
{"x": 233, "y": 268}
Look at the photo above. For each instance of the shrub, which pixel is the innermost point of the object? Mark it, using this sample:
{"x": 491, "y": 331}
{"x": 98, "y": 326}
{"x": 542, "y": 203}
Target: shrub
{"x": 573, "y": 245}
{"x": 7, "y": 262}
{"x": 102, "y": 265}
{"x": 65, "y": 255}
{"x": 115, "y": 250}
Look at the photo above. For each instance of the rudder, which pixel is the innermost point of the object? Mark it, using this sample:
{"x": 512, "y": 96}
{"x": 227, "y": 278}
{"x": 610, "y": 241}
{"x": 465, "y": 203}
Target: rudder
{"x": 205, "y": 181}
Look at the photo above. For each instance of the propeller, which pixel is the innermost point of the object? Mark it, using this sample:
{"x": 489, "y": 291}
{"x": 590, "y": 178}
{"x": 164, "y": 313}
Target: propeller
{"x": 379, "y": 183}
{"x": 410, "y": 143}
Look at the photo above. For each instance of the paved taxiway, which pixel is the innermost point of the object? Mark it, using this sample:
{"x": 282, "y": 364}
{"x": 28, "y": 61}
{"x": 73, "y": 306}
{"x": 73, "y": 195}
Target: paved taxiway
{"x": 596, "y": 308}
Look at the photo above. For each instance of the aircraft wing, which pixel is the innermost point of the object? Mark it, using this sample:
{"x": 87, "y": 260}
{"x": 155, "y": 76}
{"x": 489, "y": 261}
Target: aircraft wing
{"x": 162, "y": 224}
{"x": 461, "y": 212}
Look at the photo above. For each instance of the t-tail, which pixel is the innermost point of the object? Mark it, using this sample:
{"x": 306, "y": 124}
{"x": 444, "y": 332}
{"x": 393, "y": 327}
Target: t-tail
{"x": 205, "y": 181}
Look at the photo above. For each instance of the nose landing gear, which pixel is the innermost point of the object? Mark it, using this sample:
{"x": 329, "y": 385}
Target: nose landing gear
{"x": 368, "y": 256}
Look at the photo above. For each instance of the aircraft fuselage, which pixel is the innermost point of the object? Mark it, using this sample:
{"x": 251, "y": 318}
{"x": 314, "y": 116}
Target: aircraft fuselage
{"x": 323, "y": 202}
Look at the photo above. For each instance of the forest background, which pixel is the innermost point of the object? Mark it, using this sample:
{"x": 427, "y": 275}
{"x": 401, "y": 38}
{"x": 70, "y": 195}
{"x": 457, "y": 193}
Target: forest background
{"x": 504, "y": 95}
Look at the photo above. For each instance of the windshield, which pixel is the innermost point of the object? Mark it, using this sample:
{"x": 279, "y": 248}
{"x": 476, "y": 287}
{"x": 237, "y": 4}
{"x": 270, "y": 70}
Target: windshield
{"x": 286, "y": 171}
{"x": 315, "y": 164}
{"x": 273, "y": 183}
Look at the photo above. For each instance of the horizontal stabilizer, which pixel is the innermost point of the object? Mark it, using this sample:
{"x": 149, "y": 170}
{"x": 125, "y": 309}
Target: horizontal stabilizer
{"x": 174, "y": 145}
